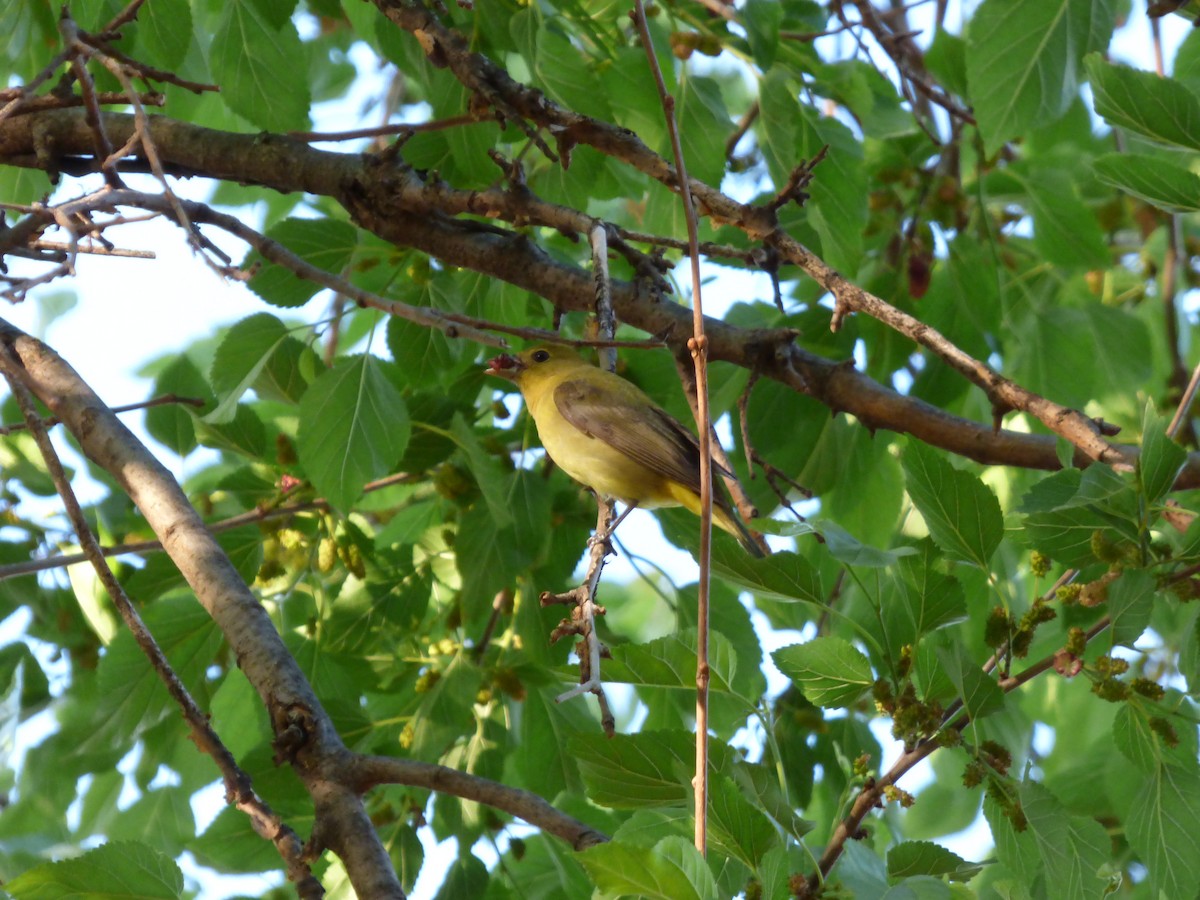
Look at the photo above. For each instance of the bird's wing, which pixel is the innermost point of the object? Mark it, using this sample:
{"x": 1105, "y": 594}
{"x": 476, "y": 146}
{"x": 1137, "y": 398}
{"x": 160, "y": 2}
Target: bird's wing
{"x": 643, "y": 432}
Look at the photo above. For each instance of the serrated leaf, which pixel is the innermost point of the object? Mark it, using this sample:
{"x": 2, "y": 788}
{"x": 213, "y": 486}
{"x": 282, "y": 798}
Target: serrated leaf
{"x": 1065, "y": 231}
{"x": 1161, "y": 458}
{"x": 240, "y": 359}
{"x": 327, "y": 244}
{"x": 926, "y": 858}
{"x": 1024, "y": 60}
{"x": 931, "y": 598}
{"x": 783, "y": 576}
{"x": 424, "y": 355}
{"x": 1130, "y": 603}
{"x": 114, "y": 871}
{"x": 135, "y": 697}
{"x": 1162, "y": 109}
{"x": 245, "y": 434}
{"x": 173, "y": 424}
{"x": 492, "y": 480}
{"x": 837, "y": 207}
{"x": 631, "y": 771}
{"x": 1072, "y": 848}
{"x": 1136, "y": 740}
{"x": 962, "y": 514}
{"x": 257, "y": 66}
{"x": 736, "y": 824}
{"x": 672, "y": 870}
{"x": 670, "y": 662}
{"x": 762, "y": 19}
{"x": 830, "y": 671}
{"x": 353, "y": 427}
{"x": 1156, "y": 180}
{"x": 1157, "y": 828}
{"x": 165, "y": 33}
{"x": 846, "y": 548}
{"x": 981, "y": 696}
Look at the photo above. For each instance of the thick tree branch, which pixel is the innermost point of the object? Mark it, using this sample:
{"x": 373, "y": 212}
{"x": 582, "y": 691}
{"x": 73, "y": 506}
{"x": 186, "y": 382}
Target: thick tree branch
{"x": 303, "y": 730}
{"x": 397, "y": 205}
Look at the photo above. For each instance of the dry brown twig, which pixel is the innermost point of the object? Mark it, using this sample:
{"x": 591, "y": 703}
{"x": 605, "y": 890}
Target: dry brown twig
{"x": 698, "y": 346}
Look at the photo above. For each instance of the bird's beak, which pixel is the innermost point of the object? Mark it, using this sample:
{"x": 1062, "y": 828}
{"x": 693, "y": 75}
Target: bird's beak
{"x": 505, "y": 366}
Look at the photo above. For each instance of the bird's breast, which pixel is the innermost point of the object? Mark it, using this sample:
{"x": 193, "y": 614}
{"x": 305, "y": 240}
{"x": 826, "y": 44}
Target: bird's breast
{"x": 595, "y": 463}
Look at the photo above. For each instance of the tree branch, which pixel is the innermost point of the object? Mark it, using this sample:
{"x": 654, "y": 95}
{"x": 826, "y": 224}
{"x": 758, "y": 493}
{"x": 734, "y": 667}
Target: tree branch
{"x": 396, "y": 205}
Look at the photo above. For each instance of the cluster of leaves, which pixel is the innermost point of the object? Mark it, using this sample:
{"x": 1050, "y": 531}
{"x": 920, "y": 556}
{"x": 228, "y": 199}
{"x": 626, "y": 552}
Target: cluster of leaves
{"x": 411, "y": 599}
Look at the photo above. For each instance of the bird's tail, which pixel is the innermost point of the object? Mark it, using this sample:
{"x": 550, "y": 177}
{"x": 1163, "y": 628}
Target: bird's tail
{"x": 730, "y": 521}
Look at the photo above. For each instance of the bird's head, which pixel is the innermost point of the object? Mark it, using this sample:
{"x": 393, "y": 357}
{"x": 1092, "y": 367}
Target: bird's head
{"x": 544, "y": 357}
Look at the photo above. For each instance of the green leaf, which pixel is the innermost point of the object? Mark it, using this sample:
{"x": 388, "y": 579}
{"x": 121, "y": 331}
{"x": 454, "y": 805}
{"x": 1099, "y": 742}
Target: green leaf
{"x": 670, "y": 662}
{"x": 288, "y": 372}
{"x": 246, "y": 434}
{"x": 327, "y": 244}
{"x": 846, "y": 548}
{"x": 1154, "y": 179}
{"x": 1161, "y": 458}
{"x": 114, "y": 871}
{"x": 566, "y": 73}
{"x": 980, "y": 694}
{"x": 962, "y": 514}
{"x": 1162, "y": 109}
{"x": 173, "y": 424}
{"x": 1158, "y": 829}
{"x": 926, "y": 858}
{"x": 1064, "y": 230}
{"x": 165, "y": 33}
{"x": 631, "y": 771}
{"x": 240, "y": 359}
{"x": 467, "y": 877}
{"x": 782, "y": 576}
{"x": 672, "y": 870}
{"x": 830, "y": 671}
{"x": 134, "y": 696}
{"x": 259, "y": 67}
{"x": 837, "y": 207}
{"x": 492, "y": 480}
{"x": 1073, "y": 849}
{"x": 947, "y": 60}
{"x": 424, "y": 355}
{"x": 762, "y": 19}
{"x": 1130, "y": 603}
{"x": 1023, "y": 60}
{"x": 736, "y": 824}
{"x": 1045, "y": 362}
{"x": 704, "y": 124}
{"x": 353, "y": 428}
{"x": 931, "y": 599}
{"x": 1136, "y": 740}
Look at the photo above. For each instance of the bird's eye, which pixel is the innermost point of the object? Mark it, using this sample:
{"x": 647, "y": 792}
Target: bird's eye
{"x": 540, "y": 355}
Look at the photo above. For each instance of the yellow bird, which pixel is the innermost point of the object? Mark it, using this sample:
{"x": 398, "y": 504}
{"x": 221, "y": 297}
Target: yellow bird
{"x": 608, "y": 434}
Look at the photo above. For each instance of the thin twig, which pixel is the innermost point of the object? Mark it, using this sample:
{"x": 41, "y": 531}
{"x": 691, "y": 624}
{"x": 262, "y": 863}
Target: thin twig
{"x": 14, "y": 570}
{"x": 583, "y": 619}
{"x": 162, "y": 400}
{"x": 698, "y": 345}
{"x": 383, "y": 130}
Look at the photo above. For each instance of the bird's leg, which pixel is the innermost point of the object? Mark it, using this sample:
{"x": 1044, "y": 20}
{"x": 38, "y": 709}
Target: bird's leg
{"x": 608, "y": 532}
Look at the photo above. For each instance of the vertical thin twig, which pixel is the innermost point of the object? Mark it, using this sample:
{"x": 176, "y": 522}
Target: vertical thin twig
{"x": 698, "y": 345}
{"x": 606, "y": 320}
